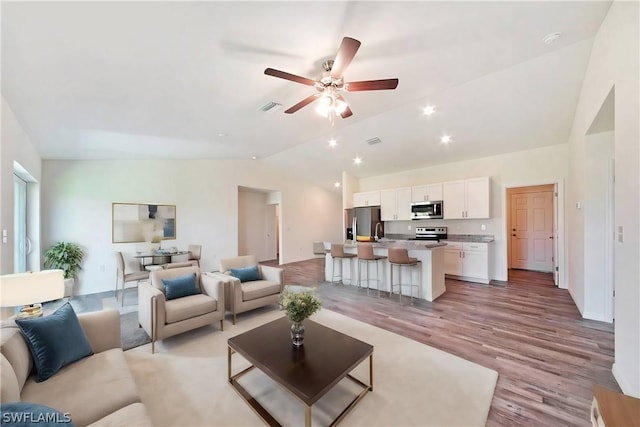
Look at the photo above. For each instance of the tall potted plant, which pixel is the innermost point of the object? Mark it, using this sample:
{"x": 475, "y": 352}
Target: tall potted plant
{"x": 68, "y": 258}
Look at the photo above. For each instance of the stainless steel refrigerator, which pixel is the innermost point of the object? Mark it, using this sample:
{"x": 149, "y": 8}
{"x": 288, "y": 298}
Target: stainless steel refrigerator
{"x": 361, "y": 223}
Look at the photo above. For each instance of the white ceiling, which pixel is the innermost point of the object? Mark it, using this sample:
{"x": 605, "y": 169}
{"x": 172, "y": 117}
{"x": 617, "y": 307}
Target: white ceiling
{"x": 113, "y": 80}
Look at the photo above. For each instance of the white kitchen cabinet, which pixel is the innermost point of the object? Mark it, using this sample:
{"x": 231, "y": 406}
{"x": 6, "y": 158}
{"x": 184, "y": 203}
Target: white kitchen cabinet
{"x": 453, "y": 258}
{"x": 467, "y": 261}
{"x": 426, "y": 193}
{"x": 367, "y": 198}
{"x": 475, "y": 261}
{"x": 466, "y": 199}
{"x": 395, "y": 204}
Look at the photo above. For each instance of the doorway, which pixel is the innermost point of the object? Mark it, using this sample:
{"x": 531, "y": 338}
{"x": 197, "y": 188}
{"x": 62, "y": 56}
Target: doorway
{"x": 20, "y": 244}
{"x": 531, "y": 228}
{"x": 273, "y": 232}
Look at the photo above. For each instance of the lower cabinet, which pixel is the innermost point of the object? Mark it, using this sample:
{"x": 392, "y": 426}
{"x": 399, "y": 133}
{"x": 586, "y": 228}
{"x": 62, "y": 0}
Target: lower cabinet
{"x": 467, "y": 261}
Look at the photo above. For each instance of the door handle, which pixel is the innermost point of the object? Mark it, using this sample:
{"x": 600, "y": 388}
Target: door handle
{"x": 513, "y": 235}
{"x": 29, "y": 245}
{"x": 551, "y": 237}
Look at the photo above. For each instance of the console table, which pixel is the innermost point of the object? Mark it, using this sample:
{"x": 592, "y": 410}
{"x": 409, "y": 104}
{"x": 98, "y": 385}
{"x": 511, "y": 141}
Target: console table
{"x": 157, "y": 258}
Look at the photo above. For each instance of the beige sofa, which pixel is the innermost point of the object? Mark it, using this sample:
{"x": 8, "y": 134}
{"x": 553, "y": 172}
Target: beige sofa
{"x": 98, "y": 390}
{"x": 162, "y": 319}
{"x": 241, "y": 297}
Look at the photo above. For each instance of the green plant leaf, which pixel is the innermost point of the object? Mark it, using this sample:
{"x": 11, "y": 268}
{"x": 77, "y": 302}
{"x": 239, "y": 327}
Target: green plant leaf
{"x": 64, "y": 256}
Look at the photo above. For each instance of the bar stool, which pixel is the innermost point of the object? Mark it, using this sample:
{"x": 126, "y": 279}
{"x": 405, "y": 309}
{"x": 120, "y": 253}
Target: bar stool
{"x": 337, "y": 254}
{"x": 400, "y": 257}
{"x": 366, "y": 256}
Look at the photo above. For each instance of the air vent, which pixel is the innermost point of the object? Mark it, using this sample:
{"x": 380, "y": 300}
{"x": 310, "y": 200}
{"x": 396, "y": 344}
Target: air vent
{"x": 374, "y": 141}
{"x": 270, "y": 107}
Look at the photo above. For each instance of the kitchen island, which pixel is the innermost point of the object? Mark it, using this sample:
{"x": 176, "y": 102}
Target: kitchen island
{"x": 431, "y": 255}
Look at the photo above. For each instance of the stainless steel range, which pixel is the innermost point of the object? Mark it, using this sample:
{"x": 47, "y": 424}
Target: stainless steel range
{"x": 431, "y": 233}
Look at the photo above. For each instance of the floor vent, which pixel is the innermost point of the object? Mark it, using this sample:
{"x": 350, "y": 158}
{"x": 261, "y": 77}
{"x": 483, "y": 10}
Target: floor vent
{"x": 270, "y": 107}
{"x": 374, "y": 141}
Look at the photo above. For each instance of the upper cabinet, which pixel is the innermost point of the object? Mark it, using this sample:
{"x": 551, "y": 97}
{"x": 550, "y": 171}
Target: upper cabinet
{"x": 368, "y": 198}
{"x": 468, "y": 198}
{"x": 426, "y": 193}
{"x": 395, "y": 204}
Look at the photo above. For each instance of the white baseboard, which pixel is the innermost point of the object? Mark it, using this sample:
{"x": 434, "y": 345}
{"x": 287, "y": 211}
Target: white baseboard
{"x": 596, "y": 316}
{"x": 624, "y": 385}
{"x": 579, "y": 306}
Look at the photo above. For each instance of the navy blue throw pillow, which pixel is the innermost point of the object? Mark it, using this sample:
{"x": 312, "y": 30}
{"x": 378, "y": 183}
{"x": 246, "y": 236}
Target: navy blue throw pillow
{"x": 27, "y": 414}
{"x": 181, "y": 286}
{"x": 55, "y": 341}
{"x": 246, "y": 274}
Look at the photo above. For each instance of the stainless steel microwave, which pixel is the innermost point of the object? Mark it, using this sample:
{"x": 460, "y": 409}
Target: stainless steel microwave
{"x": 426, "y": 210}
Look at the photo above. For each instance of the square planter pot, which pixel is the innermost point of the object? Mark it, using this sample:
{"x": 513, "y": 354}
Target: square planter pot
{"x": 68, "y": 287}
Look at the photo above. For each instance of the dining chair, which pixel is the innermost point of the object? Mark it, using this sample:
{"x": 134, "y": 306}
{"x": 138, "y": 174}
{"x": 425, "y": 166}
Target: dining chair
{"x": 195, "y": 253}
{"x": 124, "y": 277}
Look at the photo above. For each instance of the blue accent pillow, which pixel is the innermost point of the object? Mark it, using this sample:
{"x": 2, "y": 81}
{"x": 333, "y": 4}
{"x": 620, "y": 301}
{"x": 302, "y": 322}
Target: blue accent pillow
{"x": 55, "y": 341}
{"x": 27, "y": 414}
{"x": 246, "y": 274}
{"x": 181, "y": 286}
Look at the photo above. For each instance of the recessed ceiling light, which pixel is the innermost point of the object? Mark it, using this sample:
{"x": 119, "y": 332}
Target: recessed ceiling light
{"x": 222, "y": 134}
{"x": 333, "y": 143}
{"x": 357, "y": 161}
{"x": 445, "y": 139}
{"x": 253, "y": 157}
{"x": 336, "y": 184}
{"x": 551, "y": 38}
{"x": 429, "y": 110}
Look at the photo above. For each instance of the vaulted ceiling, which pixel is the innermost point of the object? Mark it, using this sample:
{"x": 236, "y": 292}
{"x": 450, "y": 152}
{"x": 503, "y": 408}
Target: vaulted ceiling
{"x": 116, "y": 80}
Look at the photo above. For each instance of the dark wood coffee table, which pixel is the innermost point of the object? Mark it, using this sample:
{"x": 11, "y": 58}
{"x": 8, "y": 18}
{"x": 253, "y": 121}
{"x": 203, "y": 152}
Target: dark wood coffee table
{"x": 308, "y": 372}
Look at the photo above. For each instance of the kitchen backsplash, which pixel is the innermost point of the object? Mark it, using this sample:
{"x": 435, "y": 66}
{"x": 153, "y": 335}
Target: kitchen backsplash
{"x": 493, "y": 226}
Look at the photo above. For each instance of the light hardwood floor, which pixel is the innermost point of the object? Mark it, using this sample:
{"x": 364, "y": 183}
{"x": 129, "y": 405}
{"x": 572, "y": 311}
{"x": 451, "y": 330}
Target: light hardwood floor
{"x": 548, "y": 357}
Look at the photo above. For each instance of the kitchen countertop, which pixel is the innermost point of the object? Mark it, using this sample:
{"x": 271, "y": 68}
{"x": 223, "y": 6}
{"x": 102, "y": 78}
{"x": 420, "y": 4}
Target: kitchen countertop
{"x": 475, "y": 238}
{"x": 412, "y": 245}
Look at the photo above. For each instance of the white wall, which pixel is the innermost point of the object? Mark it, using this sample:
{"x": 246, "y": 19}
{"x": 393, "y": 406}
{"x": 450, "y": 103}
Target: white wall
{"x": 613, "y": 64}
{"x": 16, "y": 146}
{"x": 540, "y": 166}
{"x": 599, "y": 150}
{"x": 77, "y": 198}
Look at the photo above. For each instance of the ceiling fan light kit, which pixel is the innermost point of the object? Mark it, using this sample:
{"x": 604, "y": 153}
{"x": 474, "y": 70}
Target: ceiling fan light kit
{"x": 331, "y": 84}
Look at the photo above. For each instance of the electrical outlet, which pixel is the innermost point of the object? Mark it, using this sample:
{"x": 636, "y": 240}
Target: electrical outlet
{"x": 409, "y": 227}
{"x": 101, "y": 268}
{"x": 483, "y": 227}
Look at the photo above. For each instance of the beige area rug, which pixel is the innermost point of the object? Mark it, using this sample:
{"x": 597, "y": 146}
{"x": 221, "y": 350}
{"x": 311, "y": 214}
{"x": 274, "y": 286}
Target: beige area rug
{"x": 185, "y": 382}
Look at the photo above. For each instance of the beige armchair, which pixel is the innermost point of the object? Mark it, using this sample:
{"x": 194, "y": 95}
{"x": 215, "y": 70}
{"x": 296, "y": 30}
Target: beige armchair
{"x": 162, "y": 318}
{"x": 241, "y": 297}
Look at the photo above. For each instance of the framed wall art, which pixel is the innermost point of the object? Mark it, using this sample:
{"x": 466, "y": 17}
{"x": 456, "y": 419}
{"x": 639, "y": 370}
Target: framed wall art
{"x": 136, "y": 222}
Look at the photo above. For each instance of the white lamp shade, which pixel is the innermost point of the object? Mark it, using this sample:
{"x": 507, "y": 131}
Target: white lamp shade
{"x": 30, "y": 288}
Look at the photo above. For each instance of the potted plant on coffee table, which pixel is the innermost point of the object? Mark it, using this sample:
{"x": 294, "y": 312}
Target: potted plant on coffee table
{"x": 299, "y": 306}
{"x": 68, "y": 258}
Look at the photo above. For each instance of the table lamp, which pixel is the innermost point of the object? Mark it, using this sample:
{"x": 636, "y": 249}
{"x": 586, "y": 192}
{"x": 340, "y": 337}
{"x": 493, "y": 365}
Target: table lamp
{"x": 29, "y": 290}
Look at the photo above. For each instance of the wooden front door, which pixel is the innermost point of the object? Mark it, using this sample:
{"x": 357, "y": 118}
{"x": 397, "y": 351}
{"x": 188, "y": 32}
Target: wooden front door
{"x": 532, "y": 231}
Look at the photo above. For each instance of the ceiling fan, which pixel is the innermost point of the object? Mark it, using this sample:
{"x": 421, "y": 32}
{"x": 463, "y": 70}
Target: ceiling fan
{"x": 331, "y": 85}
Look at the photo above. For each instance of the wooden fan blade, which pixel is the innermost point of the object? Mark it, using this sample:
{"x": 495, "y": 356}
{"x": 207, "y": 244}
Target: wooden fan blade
{"x": 346, "y": 52}
{"x": 372, "y": 85}
{"x": 308, "y": 100}
{"x": 347, "y": 112}
{"x": 289, "y": 76}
